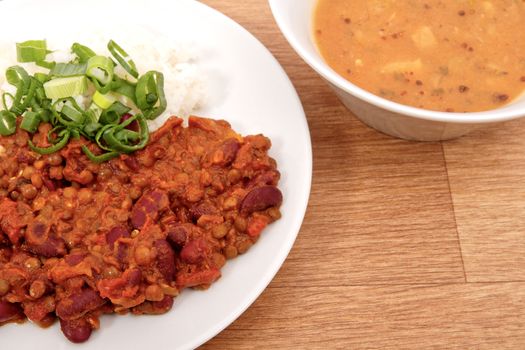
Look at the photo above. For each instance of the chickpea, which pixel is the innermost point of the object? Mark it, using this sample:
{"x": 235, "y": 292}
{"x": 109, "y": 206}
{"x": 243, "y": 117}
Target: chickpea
{"x": 36, "y": 180}
{"x": 143, "y": 255}
{"x": 4, "y": 287}
{"x": 86, "y": 176}
{"x": 70, "y": 192}
{"x": 85, "y": 196}
{"x": 219, "y": 260}
{"x": 243, "y": 246}
{"x": 14, "y": 195}
{"x": 29, "y": 191}
{"x": 66, "y": 214}
{"x": 134, "y": 233}
{"x": 126, "y": 203}
{"x": 147, "y": 160}
{"x": 230, "y": 252}
{"x": 110, "y": 272}
{"x": 32, "y": 263}
{"x": 274, "y": 213}
{"x": 56, "y": 172}
{"x": 234, "y": 176}
{"x": 154, "y": 293}
{"x": 28, "y": 172}
{"x": 230, "y": 203}
{"x": 54, "y": 159}
{"x": 240, "y": 224}
{"x": 37, "y": 289}
{"x": 220, "y": 231}
{"x": 39, "y": 164}
{"x": 39, "y": 203}
{"x": 140, "y": 181}
{"x": 135, "y": 192}
{"x": 104, "y": 173}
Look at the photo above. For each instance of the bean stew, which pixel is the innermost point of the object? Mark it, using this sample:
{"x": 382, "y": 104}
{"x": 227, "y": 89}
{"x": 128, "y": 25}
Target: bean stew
{"x": 80, "y": 239}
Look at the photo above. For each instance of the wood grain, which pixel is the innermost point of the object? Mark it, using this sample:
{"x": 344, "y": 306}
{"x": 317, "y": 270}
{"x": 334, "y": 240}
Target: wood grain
{"x": 487, "y": 178}
{"x": 449, "y": 316}
{"x": 380, "y": 261}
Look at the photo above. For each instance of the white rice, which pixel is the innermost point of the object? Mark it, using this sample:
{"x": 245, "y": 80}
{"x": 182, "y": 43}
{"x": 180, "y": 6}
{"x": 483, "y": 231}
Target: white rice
{"x": 184, "y": 82}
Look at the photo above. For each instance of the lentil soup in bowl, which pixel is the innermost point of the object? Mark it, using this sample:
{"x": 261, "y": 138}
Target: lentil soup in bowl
{"x": 423, "y": 71}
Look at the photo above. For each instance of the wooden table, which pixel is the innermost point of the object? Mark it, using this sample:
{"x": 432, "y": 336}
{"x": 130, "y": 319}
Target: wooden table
{"x": 405, "y": 245}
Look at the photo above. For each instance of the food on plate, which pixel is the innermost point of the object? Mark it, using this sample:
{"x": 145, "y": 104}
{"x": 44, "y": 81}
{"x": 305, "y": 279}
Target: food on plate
{"x": 83, "y": 235}
{"x": 453, "y": 56}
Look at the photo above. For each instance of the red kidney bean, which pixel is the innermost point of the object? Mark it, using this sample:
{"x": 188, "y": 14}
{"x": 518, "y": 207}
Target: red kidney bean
{"x": 226, "y": 152}
{"x": 132, "y": 163}
{"x": 203, "y": 209}
{"x": 9, "y": 311}
{"x": 194, "y": 251}
{"x": 133, "y": 277}
{"x": 115, "y": 233}
{"x": 261, "y": 198}
{"x": 134, "y": 124}
{"x": 177, "y": 235}
{"x": 74, "y": 259}
{"x": 164, "y": 305}
{"x": 78, "y": 304}
{"x": 51, "y": 248}
{"x": 165, "y": 259}
{"x": 149, "y": 205}
{"x": 76, "y": 331}
{"x": 50, "y": 184}
{"x": 26, "y": 157}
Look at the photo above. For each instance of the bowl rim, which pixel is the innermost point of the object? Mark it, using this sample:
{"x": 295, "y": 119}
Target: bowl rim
{"x": 317, "y": 63}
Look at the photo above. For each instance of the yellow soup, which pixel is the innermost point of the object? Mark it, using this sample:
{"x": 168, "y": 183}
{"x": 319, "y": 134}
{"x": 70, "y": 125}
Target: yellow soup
{"x": 445, "y": 55}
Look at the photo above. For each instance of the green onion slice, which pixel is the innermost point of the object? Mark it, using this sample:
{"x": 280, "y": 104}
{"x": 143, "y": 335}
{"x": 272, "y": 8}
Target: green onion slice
{"x": 7, "y": 123}
{"x": 104, "y": 101}
{"x": 30, "y": 122}
{"x": 68, "y": 69}
{"x": 123, "y": 58}
{"x": 62, "y": 142}
{"x": 100, "y": 69}
{"x": 150, "y": 94}
{"x": 83, "y": 53}
{"x": 31, "y": 51}
{"x": 65, "y": 87}
{"x": 100, "y": 158}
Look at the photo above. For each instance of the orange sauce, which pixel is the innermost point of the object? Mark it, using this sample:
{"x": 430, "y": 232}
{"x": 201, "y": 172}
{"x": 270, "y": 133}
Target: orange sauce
{"x": 454, "y": 56}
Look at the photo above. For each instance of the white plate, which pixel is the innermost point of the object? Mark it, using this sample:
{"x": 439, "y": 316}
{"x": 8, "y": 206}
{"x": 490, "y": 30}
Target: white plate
{"x": 252, "y": 92}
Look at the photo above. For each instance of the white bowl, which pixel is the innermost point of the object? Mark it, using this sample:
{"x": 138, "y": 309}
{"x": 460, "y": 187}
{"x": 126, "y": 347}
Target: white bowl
{"x": 294, "y": 17}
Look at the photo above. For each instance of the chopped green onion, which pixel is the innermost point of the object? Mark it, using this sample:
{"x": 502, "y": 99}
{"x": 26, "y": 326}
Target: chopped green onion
{"x": 100, "y": 68}
{"x": 52, "y": 149}
{"x": 30, "y": 122}
{"x": 123, "y": 58}
{"x": 100, "y": 158}
{"x": 113, "y": 113}
{"x": 73, "y": 114}
{"x": 68, "y": 69}
{"x": 41, "y": 77}
{"x": 83, "y": 53}
{"x": 65, "y": 87}
{"x": 104, "y": 101}
{"x": 112, "y": 141}
{"x": 31, "y": 51}
{"x": 48, "y": 98}
{"x": 45, "y": 64}
{"x": 7, "y": 123}
{"x": 150, "y": 94}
